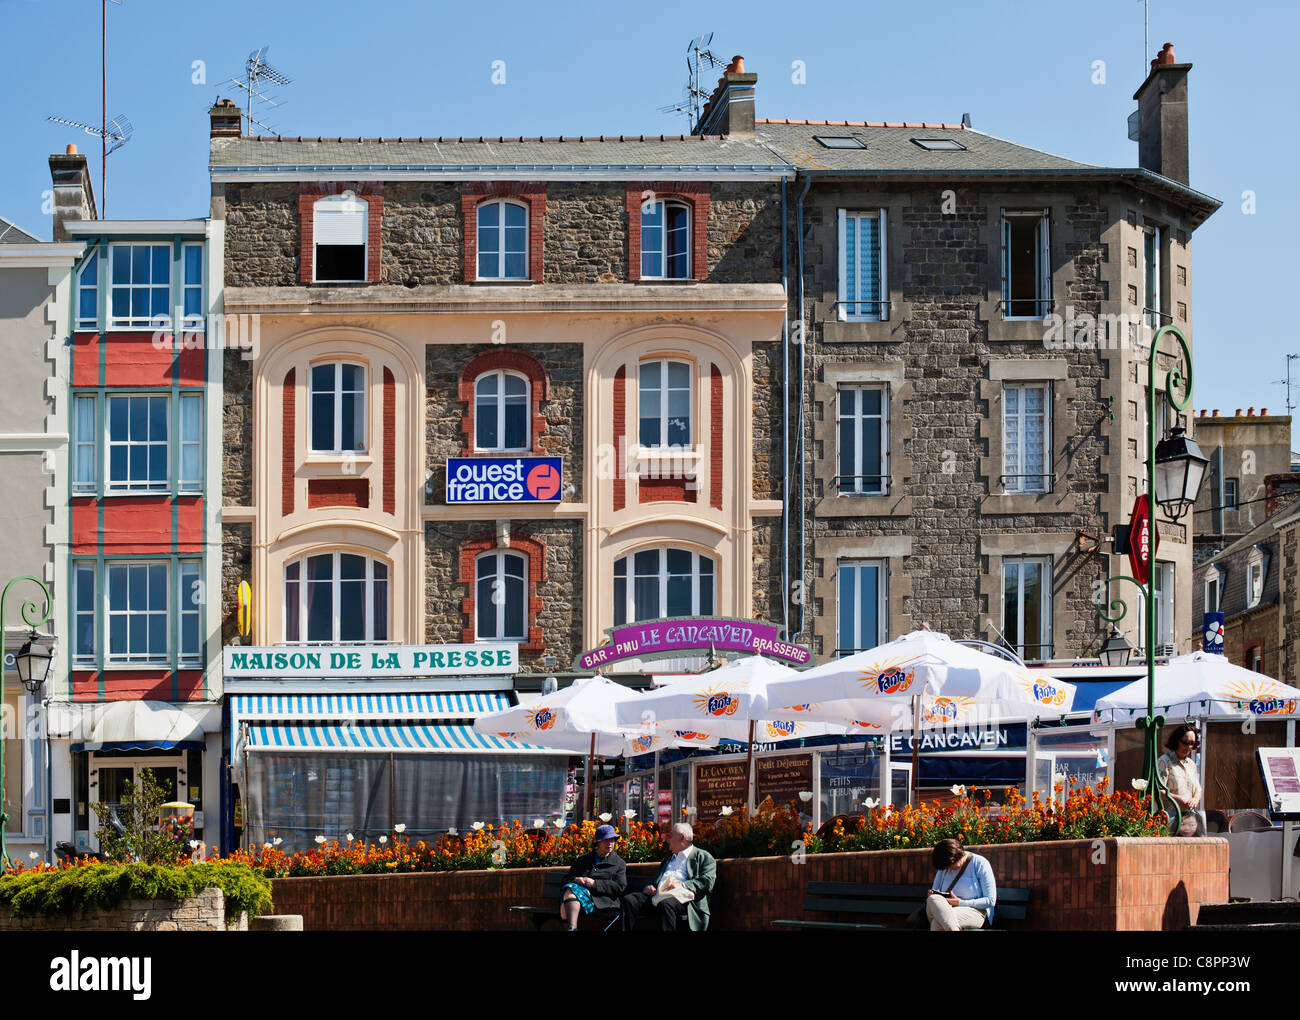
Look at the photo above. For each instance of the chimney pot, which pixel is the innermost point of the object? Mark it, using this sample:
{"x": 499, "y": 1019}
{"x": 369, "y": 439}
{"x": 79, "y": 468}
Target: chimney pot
{"x": 71, "y": 150}
{"x": 1250, "y": 412}
{"x": 1215, "y": 414}
{"x": 738, "y": 64}
{"x": 1238, "y": 414}
{"x": 1263, "y": 412}
{"x": 1162, "y": 117}
{"x": 1167, "y": 54}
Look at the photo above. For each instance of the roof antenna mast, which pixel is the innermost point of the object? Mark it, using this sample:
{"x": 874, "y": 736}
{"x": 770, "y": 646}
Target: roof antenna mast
{"x": 256, "y": 71}
{"x": 700, "y": 63}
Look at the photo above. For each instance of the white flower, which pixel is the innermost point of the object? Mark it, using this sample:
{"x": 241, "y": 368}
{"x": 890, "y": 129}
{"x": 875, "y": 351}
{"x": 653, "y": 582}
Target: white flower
{"x": 476, "y": 826}
{"x": 691, "y": 811}
{"x": 266, "y": 846}
{"x": 805, "y": 795}
{"x": 606, "y": 816}
{"x": 538, "y": 823}
{"x": 1059, "y": 778}
{"x": 399, "y": 828}
{"x": 871, "y": 802}
{"x": 1138, "y": 784}
{"x": 453, "y": 832}
{"x": 959, "y": 791}
{"x": 277, "y": 841}
{"x": 33, "y": 855}
{"x": 194, "y": 844}
{"x": 383, "y": 839}
{"x": 349, "y": 837}
{"x": 320, "y": 840}
{"x": 629, "y": 813}
{"x": 559, "y": 823}
{"x": 726, "y": 810}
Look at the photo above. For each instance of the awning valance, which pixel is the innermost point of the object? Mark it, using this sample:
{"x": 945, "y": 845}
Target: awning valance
{"x": 366, "y": 706}
{"x": 134, "y": 725}
{"x": 382, "y": 737}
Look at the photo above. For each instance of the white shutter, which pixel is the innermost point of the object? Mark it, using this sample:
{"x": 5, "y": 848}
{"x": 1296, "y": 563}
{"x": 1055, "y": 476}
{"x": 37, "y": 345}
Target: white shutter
{"x": 340, "y": 220}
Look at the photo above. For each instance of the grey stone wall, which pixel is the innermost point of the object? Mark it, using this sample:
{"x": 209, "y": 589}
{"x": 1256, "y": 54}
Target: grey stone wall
{"x": 586, "y": 233}
{"x": 204, "y": 912}
{"x": 262, "y": 235}
{"x": 422, "y": 234}
{"x": 236, "y": 566}
{"x": 766, "y": 409}
{"x": 744, "y": 233}
{"x": 561, "y": 592}
{"x": 237, "y": 430}
{"x": 562, "y": 410}
{"x": 766, "y": 551}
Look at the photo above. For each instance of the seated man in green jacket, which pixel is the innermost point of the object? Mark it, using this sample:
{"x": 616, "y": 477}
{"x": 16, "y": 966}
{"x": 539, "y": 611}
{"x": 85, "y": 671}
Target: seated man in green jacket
{"x": 687, "y": 867}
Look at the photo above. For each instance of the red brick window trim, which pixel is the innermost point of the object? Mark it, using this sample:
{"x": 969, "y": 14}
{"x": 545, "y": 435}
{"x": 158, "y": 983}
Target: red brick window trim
{"x": 531, "y": 194}
{"x": 694, "y": 195}
{"x": 620, "y": 438}
{"x": 390, "y": 441}
{"x": 715, "y": 437}
{"x": 370, "y": 192}
{"x": 534, "y": 553}
{"x": 288, "y": 439}
{"x": 508, "y": 359}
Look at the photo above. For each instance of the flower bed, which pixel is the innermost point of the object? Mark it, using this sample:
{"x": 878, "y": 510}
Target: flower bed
{"x": 771, "y": 830}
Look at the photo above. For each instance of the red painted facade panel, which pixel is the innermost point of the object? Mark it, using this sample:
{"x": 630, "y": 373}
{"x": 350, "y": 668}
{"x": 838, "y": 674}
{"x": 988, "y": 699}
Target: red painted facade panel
{"x": 193, "y": 365}
{"x": 139, "y": 685}
{"x": 138, "y": 525}
{"x": 85, "y": 527}
{"x": 85, "y": 359}
{"x": 189, "y": 524}
{"x": 133, "y": 359}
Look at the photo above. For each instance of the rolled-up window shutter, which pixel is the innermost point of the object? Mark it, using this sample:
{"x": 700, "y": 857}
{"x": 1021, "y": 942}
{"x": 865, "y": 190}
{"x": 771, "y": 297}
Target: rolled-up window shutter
{"x": 341, "y": 220}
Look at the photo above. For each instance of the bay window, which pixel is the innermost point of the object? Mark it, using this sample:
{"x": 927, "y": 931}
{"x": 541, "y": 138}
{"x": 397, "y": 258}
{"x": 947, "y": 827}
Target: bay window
{"x": 140, "y": 283}
{"x": 88, "y": 292}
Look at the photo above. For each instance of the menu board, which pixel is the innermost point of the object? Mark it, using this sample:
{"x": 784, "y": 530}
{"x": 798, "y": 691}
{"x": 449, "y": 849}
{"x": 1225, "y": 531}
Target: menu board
{"x": 782, "y": 777}
{"x": 1280, "y": 769}
{"x": 719, "y": 785}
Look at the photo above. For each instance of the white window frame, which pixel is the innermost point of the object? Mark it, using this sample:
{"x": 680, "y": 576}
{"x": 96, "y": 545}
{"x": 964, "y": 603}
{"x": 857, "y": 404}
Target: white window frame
{"x": 84, "y": 571}
{"x": 346, "y": 196}
{"x": 1256, "y": 575}
{"x": 1151, "y": 296}
{"x": 190, "y": 442}
{"x": 191, "y": 320}
{"x": 858, "y": 486}
{"x": 1042, "y": 264}
{"x": 501, "y": 239}
{"x": 664, "y": 390}
{"x": 1255, "y": 659}
{"x": 336, "y": 601}
{"x": 498, "y": 557}
{"x": 1213, "y": 580}
{"x": 85, "y": 409}
{"x": 115, "y": 486}
{"x": 1045, "y": 609}
{"x": 95, "y": 255}
{"x": 135, "y": 321}
{"x": 162, "y": 658}
{"x": 1229, "y": 501}
{"x": 848, "y": 217}
{"x": 364, "y": 401}
{"x": 629, "y": 565}
{"x": 1024, "y": 483}
{"x": 882, "y": 604}
{"x": 502, "y": 374}
{"x": 190, "y": 592}
{"x": 662, "y": 230}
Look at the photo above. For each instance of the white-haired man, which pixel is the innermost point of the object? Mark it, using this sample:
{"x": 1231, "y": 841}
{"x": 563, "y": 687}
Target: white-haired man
{"x": 687, "y": 867}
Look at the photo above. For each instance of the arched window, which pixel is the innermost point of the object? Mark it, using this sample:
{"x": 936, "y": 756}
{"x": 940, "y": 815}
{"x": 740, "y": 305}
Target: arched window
{"x": 665, "y": 403}
{"x": 501, "y": 596}
{"x": 659, "y": 583}
{"x": 340, "y": 233}
{"x": 665, "y": 241}
{"x": 336, "y": 596}
{"x": 502, "y": 240}
{"x": 338, "y": 407}
{"x": 501, "y": 410}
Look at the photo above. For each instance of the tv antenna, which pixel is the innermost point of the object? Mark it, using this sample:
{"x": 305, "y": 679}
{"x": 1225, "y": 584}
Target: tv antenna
{"x": 700, "y": 63}
{"x": 1287, "y": 382}
{"x": 256, "y": 71}
{"x": 112, "y": 136}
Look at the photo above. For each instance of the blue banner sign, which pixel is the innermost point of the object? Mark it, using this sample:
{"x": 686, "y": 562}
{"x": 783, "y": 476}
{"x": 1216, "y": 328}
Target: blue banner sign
{"x": 1212, "y": 633}
{"x": 504, "y": 479}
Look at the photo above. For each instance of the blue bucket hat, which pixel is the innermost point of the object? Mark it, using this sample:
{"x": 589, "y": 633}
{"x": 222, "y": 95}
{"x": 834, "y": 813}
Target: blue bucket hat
{"x": 606, "y": 832}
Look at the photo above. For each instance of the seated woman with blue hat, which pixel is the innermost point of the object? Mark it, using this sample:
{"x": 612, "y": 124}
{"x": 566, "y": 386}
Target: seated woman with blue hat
{"x": 595, "y": 881}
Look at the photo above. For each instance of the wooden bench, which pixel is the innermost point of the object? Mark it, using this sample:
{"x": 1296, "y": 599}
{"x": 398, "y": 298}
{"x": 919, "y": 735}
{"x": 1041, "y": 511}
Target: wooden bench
{"x": 860, "y": 898}
{"x": 552, "y": 890}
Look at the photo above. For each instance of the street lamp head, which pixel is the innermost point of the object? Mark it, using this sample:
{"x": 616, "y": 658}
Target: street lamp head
{"x": 1116, "y": 650}
{"x": 1180, "y": 469}
{"x": 34, "y": 660}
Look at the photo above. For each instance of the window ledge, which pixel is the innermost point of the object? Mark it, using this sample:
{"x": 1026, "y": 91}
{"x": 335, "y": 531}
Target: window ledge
{"x": 892, "y": 505}
{"x": 521, "y": 281}
{"x": 137, "y": 493}
{"x": 856, "y": 331}
{"x": 1028, "y": 503}
{"x": 336, "y": 459}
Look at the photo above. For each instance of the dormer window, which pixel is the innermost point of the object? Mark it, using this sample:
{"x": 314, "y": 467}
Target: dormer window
{"x": 1256, "y": 572}
{"x": 339, "y": 233}
{"x": 1213, "y": 590}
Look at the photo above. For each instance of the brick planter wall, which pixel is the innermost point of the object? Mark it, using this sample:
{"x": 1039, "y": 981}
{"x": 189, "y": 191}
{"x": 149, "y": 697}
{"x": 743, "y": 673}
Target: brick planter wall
{"x": 204, "y": 912}
{"x": 1102, "y": 885}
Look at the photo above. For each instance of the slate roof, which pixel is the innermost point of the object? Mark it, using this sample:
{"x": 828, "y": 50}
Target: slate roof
{"x": 11, "y": 233}
{"x": 1232, "y": 563}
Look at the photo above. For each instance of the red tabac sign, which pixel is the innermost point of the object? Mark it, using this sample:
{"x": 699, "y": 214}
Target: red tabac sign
{"x": 1143, "y": 539}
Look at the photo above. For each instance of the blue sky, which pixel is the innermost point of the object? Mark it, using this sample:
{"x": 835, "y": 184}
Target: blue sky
{"x": 1024, "y": 71}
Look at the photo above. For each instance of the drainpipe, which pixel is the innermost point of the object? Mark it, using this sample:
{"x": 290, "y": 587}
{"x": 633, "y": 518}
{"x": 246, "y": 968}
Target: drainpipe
{"x": 785, "y": 417}
{"x": 803, "y": 344}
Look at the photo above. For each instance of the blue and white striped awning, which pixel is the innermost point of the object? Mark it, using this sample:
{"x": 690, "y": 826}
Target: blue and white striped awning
{"x": 366, "y": 706}
{"x": 382, "y": 737}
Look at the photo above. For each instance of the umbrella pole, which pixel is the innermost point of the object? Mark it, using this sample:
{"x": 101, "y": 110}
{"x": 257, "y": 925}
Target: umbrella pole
{"x": 916, "y": 749}
{"x": 749, "y": 771}
{"x": 591, "y": 790}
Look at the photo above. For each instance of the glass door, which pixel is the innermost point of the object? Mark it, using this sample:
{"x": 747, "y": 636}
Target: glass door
{"x": 900, "y": 784}
{"x": 116, "y": 777}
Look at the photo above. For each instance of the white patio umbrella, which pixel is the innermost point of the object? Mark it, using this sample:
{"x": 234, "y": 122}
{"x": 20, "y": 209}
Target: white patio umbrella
{"x": 1202, "y": 685}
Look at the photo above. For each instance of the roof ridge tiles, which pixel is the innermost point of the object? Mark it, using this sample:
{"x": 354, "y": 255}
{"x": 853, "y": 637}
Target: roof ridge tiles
{"x": 939, "y": 125}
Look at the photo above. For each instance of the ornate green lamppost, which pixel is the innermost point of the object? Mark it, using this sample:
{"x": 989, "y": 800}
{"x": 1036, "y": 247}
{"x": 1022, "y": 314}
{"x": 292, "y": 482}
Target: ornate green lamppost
{"x": 1175, "y": 470}
{"x": 33, "y": 663}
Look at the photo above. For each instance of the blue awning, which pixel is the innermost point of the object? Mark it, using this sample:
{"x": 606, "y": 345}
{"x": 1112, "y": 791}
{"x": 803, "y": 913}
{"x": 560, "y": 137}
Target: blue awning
{"x": 141, "y": 745}
{"x": 367, "y": 706}
{"x": 383, "y": 737}
{"x": 1088, "y": 692}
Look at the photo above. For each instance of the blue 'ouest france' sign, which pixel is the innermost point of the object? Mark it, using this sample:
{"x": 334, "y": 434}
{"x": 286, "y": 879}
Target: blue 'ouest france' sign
{"x": 504, "y": 479}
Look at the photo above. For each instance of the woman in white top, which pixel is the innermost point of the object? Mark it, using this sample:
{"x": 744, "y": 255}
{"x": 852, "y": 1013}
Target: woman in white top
{"x": 1178, "y": 771}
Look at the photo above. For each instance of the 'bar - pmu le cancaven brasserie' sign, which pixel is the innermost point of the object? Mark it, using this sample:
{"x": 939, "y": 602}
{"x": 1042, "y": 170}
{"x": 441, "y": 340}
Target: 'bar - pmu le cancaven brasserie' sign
{"x": 658, "y": 638}
{"x": 342, "y": 662}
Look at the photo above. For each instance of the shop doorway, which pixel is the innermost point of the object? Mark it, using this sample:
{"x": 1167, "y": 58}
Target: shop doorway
{"x": 111, "y": 778}
{"x": 900, "y": 784}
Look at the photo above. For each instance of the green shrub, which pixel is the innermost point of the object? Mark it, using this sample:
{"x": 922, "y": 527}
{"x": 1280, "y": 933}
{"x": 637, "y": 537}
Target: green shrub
{"x": 104, "y": 886}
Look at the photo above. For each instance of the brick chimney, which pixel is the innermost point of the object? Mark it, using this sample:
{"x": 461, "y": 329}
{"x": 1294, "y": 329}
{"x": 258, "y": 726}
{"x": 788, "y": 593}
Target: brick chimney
{"x": 74, "y": 194}
{"x": 1162, "y": 117}
{"x": 226, "y": 119}
{"x": 730, "y": 110}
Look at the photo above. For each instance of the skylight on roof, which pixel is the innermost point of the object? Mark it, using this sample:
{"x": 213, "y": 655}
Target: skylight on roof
{"x": 841, "y": 141}
{"x": 939, "y": 144}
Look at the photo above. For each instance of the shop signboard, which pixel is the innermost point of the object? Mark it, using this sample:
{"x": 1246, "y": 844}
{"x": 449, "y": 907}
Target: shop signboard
{"x": 782, "y": 777}
{"x": 719, "y": 785}
{"x": 354, "y": 662}
{"x": 945, "y": 739}
{"x": 1144, "y": 539}
{"x": 682, "y": 635}
{"x": 504, "y": 479}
